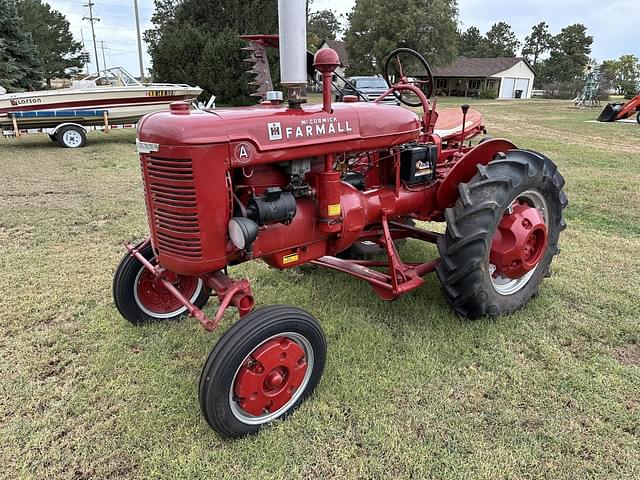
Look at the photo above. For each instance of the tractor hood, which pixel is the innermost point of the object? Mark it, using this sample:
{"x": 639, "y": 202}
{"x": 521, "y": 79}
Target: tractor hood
{"x": 274, "y": 132}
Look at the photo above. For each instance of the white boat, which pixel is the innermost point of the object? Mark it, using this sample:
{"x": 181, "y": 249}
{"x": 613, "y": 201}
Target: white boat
{"x": 112, "y": 94}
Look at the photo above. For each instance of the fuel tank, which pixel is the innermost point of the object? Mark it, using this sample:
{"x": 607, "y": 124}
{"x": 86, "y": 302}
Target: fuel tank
{"x": 274, "y": 133}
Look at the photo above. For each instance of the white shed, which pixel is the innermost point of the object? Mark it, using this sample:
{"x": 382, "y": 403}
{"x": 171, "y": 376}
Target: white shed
{"x": 508, "y": 77}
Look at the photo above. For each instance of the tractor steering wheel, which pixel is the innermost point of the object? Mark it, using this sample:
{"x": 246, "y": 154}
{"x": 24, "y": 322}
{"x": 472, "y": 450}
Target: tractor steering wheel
{"x": 408, "y": 67}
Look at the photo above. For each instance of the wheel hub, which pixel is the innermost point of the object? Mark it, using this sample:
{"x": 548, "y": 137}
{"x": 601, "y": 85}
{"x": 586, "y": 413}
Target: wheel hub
{"x": 519, "y": 242}
{"x": 153, "y": 295}
{"x": 271, "y": 376}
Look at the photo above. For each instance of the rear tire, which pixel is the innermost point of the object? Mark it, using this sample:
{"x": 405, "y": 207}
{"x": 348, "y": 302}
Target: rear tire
{"x": 141, "y": 300}
{"x": 238, "y": 393}
{"x": 71, "y": 137}
{"x": 638, "y": 118}
{"x": 467, "y": 278}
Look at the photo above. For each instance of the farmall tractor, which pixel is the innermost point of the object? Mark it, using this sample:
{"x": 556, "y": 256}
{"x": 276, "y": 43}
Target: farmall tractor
{"x": 292, "y": 183}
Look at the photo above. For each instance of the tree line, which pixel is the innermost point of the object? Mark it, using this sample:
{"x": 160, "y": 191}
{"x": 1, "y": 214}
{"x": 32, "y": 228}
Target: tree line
{"x": 36, "y": 45}
{"x": 197, "y": 42}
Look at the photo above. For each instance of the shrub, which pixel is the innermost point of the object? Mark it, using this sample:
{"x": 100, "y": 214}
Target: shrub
{"x": 488, "y": 93}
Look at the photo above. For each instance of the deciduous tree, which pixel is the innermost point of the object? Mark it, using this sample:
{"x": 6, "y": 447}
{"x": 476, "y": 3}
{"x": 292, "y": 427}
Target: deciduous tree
{"x": 49, "y": 29}
{"x": 322, "y": 25}
{"x": 379, "y": 26}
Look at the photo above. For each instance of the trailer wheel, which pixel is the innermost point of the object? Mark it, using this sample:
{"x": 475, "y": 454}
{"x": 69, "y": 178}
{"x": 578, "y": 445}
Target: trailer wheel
{"x": 71, "y": 137}
{"x": 502, "y": 235}
{"x": 261, "y": 370}
{"x": 140, "y": 298}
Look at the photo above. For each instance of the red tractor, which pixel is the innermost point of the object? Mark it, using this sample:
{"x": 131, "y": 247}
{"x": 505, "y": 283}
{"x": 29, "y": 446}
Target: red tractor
{"x": 293, "y": 184}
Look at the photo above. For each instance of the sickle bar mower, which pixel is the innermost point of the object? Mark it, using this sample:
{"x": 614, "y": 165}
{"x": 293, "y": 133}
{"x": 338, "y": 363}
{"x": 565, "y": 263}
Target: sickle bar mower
{"x": 290, "y": 184}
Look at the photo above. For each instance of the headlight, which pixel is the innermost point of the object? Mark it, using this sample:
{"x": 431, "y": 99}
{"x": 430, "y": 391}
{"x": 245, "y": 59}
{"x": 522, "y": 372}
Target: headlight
{"x": 243, "y": 232}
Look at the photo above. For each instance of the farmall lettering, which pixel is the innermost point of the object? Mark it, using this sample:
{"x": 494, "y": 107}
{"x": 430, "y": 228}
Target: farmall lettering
{"x": 309, "y": 128}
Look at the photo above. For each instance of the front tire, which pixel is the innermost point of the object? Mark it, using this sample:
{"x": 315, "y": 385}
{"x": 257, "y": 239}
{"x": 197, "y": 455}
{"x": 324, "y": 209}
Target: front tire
{"x": 526, "y": 184}
{"x": 261, "y": 369}
{"x": 140, "y": 298}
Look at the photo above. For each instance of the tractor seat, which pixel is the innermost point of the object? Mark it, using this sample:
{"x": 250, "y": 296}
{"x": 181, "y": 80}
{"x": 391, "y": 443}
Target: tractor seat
{"x": 449, "y": 123}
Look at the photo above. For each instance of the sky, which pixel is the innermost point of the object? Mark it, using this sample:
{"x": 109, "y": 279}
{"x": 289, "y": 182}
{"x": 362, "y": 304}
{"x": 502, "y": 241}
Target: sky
{"x": 612, "y": 23}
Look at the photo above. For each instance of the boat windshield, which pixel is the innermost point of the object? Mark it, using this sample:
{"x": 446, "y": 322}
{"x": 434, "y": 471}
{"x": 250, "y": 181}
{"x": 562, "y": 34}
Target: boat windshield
{"x": 112, "y": 77}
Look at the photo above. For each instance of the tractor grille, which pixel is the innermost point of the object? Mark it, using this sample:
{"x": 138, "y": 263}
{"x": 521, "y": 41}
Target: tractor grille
{"x": 173, "y": 210}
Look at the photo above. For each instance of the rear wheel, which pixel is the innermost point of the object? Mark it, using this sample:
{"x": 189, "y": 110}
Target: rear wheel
{"x": 261, "y": 369}
{"x": 502, "y": 235}
{"x": 140, "y": 297}
{"x": 71, "y": 136}
{"x": 638, "y": 118}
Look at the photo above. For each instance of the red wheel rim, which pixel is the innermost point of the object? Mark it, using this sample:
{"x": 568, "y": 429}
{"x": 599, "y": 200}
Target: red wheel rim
{"x": 271, "y": 377}
{"x": 519, "y": 242}
{"x": 153, "y": 298}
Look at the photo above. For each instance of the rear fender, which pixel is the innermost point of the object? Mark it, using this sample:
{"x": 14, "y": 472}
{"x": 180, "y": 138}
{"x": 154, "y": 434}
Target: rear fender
{"x": 465, "y": 168}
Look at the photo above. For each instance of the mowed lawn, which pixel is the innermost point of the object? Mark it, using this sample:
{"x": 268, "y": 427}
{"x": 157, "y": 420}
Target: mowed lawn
{"x": 410, "y": 390}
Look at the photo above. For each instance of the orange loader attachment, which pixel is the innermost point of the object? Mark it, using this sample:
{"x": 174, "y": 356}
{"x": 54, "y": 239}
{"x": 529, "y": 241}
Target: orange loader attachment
{"x": 620, "y": 111}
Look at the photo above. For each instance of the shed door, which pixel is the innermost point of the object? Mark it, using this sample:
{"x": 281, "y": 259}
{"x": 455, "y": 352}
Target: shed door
{"x": 523, "y": 84}
{"x": 508, "y": 86}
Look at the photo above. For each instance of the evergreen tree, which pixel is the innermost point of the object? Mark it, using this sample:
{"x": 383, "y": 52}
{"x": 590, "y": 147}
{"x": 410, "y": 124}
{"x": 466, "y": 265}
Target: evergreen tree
{"x": 20, "y": 65}
{"x": 569, "y": 55}
{"x": 197, "y": 43}
{"x": 538, "y": 43}
{"x": 501, "y": 41}
{"x": 472, "y": 44}
{"x": 49, "y": 29}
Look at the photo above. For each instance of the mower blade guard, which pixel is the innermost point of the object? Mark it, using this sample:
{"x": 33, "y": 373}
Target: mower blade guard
{"x": 610, "y": 113}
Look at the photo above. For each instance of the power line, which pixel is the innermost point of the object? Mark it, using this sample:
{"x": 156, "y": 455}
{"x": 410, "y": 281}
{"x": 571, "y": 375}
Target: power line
{"x": 93, "y": 20}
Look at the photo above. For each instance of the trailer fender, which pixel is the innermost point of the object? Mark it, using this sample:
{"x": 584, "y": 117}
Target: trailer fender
{"x": 465, "y": 168}
{"x": 56, "y": 129}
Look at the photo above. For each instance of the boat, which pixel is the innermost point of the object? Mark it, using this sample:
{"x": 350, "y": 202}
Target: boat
{"x": 111, "y": 96}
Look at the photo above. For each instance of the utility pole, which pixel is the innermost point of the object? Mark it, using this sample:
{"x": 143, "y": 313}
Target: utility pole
{"x": 104, "y": 62}
{"x": 135, "y": 7}
{"x": 85, "y": 54}
{"x": 93, "y": 20}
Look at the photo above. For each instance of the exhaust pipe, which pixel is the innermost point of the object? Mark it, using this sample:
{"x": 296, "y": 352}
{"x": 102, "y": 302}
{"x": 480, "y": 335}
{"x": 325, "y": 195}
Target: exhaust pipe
{"x": 292, "y": 23}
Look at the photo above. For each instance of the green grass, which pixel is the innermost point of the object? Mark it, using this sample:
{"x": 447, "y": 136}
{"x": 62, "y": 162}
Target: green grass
{"x": 409, "y": 391}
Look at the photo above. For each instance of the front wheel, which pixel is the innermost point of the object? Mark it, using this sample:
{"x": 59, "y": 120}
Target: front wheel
{"x": 261, "y": 369}
{"x": 502, "y": 235}
{"x": 141, "y": 298}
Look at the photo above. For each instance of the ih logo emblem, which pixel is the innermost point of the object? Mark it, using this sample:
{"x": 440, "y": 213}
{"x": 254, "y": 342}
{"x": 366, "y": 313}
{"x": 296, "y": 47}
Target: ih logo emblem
{"x": 275, "y": 131}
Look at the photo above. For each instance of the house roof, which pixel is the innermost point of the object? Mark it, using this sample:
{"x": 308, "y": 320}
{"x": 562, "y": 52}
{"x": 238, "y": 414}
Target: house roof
{"x": 341, "y": 49}
{"x": 478, "y": 67}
